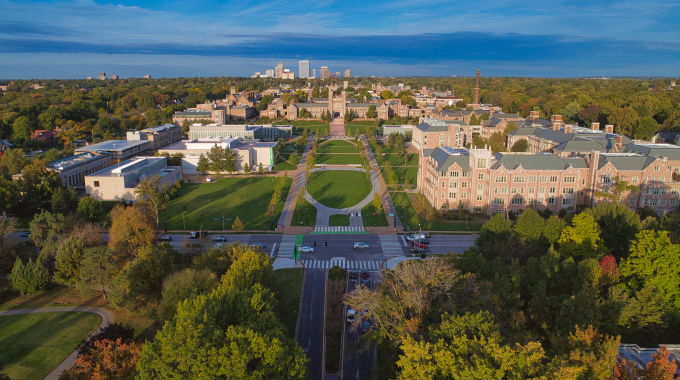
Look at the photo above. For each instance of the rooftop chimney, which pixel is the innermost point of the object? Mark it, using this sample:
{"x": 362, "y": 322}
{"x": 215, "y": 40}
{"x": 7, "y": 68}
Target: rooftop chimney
{"x": 619, "y": 142}
{"x": 557, "y": 118}
{"x": 533, "y": 115}
{"x": 477, "y": 89}
{"x": 556, "y": 125}
{"x": 567, "y": 128}
{"x": 595, "y": 126}
{"x": 609, "y": 128}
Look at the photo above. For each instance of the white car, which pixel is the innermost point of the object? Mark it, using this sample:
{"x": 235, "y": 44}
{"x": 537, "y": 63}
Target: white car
{"x": 358, "y": 245}
{"x": 306, "y": 249}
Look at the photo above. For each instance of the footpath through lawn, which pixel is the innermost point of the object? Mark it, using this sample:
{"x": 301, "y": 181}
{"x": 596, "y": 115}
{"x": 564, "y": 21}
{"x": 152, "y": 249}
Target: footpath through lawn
{"x": 338, "y": 188}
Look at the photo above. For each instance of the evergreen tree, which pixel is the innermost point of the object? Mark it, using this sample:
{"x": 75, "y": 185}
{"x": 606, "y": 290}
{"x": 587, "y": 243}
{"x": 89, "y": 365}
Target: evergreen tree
{"x": 28, "y": 278}
{"x": 203, "y": 165}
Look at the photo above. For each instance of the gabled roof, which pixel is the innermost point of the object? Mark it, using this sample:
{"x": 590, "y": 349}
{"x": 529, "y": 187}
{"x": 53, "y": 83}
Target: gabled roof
{"x": 622, "y": 161}
{"x": 501, "y": 115}
{"x": 655, "y": 150}
{"x": 539, "y": 161}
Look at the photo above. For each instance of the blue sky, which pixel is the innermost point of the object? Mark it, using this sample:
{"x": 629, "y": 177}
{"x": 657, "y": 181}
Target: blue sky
{"x": 76, "y": 39}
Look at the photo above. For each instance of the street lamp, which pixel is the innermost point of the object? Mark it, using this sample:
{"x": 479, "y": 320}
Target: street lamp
{"x": 298, "y": 215}
{"x": 222, "y": 223}
{"x": 466, "y": 226}
{"x": 199, "y": 231}
{"x": 421, "y": 230}
{"x": 184, "y": 221}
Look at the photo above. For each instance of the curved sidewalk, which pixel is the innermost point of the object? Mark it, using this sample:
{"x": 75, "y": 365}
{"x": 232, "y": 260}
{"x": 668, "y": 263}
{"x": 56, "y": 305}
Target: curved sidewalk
{"x": 323, "y": 212}
{"x": 105, "y": 316}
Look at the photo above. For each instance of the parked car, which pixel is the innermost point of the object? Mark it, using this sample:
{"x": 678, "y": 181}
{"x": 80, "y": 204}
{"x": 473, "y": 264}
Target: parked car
{"x": 352, "y": 275}
{"x": 25, "y": 234}
{"x": 420, "y": 245}
{"x": 365, "y": 326}
{"x": 359, "y": 245}
{"x": 258, "y": 245}
{"x": 410, "y": 238}
{"x": 165, "y": 238}
{"x": 350, "y": 316}
{"x": 306, "y": 249}
{"x": 426, "y": 234}
{"x": 417, "y": 250}
{"x": 364, "y": 273}
{"x": 220, "y": 238}
{"x": 423, "y": 241}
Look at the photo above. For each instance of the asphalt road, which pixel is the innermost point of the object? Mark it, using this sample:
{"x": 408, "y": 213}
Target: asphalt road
{"x": 357, "y": 364}
{"x": 441, "y": 244}
{"x": 342, "y": 245}
{"x": 311, "y": 321}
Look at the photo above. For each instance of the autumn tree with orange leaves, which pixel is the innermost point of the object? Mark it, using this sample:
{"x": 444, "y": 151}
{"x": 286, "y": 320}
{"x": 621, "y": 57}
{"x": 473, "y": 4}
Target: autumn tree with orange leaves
{"x": 108, "y": 360}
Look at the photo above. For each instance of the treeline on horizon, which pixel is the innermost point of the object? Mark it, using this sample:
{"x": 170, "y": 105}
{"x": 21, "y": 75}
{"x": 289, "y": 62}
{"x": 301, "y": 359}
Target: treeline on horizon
{"x": 91, "y": 108}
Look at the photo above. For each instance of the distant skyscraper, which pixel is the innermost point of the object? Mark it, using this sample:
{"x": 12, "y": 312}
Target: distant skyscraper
{"x": 115, "y": 77}
{"x": 102, "y": 76}
{"x": 338, "y": 75}
{"x": 325, "y": 73}
{"x": 348, "y": 73}
{"x": 304, "y": 69}
{"x": 279, "y": 70}
{"x": 312, "y": 73}
{"x": 269, "y": 73}
{"x": 147, "y": 76}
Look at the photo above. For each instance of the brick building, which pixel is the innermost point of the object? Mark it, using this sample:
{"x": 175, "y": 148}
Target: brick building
{"x": 45, "y": 135}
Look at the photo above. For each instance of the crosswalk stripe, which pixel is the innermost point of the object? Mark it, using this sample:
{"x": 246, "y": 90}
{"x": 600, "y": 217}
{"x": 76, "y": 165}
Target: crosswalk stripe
{"x": 348, "y": 265}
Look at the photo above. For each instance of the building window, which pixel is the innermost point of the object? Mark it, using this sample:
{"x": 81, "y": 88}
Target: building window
{"x": 480, "y": 176}
{"x": 635, "y": 179}
{"x": 480, "y": 186}
{"x": 632, "y": 201}
{"x": 452, "y": 195}
{"x": 656, "y": 168}
{"x": 566, "y": 202}
{"x": 463, "y": 195}
{"x": 495, "y": 190}
{"x": 583, "y": 193}
{"x": 656, "y": 191}
{"x": 443, "y": 184}
{"x": 532, "y": 178}
{"x": 664, "y": 191}
{"x": 553, "y": 178}
{"x": 463, "y": 184}
{"x": 530, "y": 201}
{"x": 513, "y": 190}
{"x": 662, "y": 202}
{"x": 541, "y": 200}
{"x": 504, "y": 190}
{"x": 478, "y": 208}
{"x": 501, "y": 179}
{"x": 519, "y": 179}
{"x": 662, "y": 179}
{"x": 672, "y": 202}
{"x": 531, "y": 190}
{"x": 453, "y": 185}
{"x": 552, "y": 190}
{"x": 96, "y": 183}
{"x": 466, "y": 174}
{"x": 454, "y": 174}
{"x": 517, "y": 201}
{"x": 551, "y": 200}
{"x": 541, "y": 190}
{"x": 481, "y": 163}
{"x": 674, "y": 191}
{"x": 479, "y": 197}
{"x": 569, "y": 179}
{"x": 443, "y": 194}
{"x": 542, "y": 178}
{"x": 568, "y": 190}
{"x": 498, "y": 201}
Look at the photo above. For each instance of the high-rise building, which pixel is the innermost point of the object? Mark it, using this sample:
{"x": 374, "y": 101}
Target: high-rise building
{"x": 338, "y": 74}
{"x": 279, "y": 70}
{"x": 325, "y": 73}
{"x": 102, "y": 76}
{"x": 147, "y": 76}
{"x": 269, "y": 73}
{"x": 303, "y": 69}
{"x": 312, "y": 73}
{"x": 348, "y": 73}
{"x": 115, "y": 77}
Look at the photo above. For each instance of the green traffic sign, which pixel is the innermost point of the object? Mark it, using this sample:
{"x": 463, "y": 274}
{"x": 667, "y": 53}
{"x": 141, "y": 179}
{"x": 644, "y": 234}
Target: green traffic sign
{"x": 390, "y": 214}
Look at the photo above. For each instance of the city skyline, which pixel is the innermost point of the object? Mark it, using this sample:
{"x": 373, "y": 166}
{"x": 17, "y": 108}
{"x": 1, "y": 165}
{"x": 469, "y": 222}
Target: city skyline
{"x": 76, "y": 39}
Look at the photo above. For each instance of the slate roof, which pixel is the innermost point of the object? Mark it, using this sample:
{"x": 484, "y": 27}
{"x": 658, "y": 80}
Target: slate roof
{"x": 501, "y": 115}
{"x": 656, "y": 150}
{"x": 668, "y": 137}
{"x": 446, "y": 159}
{"x": 625, "y": 161}
{"x": 310, "y": 105}
{"x": 540, "y": 161}
{"x": 580, "y": 146}
{"x": 431, "y": 128}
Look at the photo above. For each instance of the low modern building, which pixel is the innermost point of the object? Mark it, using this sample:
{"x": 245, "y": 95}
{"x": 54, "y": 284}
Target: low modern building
{"x": 402, "y": 129}
{"x": 160, "y": 136}
{"x": 265, "y": 132}
{"x": 252, "y": 152}
{"x": 641, "y": 356}
{"x": 119, "y": 149}
{"x": 73, "y": 170}
{"x": 118, "y": 182}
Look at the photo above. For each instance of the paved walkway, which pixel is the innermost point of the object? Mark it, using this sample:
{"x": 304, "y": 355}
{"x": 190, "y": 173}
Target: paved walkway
{"x": 323, "y": 212}
{"x": 337, "y": 127}
{"x": 392, "y": 263}
{"x": 388, "y": 205}
{"x": 105, "y": 316}
{"x": 298, "y": 176}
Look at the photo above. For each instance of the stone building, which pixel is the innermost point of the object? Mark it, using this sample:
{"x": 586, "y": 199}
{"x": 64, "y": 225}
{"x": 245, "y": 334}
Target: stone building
{"x": 73, "y": 170}
{"x": 118, "y": 182}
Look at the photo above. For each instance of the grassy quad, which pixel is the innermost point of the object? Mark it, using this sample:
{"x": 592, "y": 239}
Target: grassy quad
{"x": 32, "y": 345}
{"x": 338, "y": 188}
{"x": 289, "y": 289}
{"x": 398, "y": 198}
{"x": 403, "y": 173}
{"x": 307, "y": 215}
{"x": 338, "y": 149}
{"x": 206, "y": 203}
{"x": 314, "y": 125}
{"x": 398, "y": 160}
{"x": 373, "y": 221}
{"x": 338, "y": 159}
{"x": 336, "y": 143}
{"x": 338, "y": 220}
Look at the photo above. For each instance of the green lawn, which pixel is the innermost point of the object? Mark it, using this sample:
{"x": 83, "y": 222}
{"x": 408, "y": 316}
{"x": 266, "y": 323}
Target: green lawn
{"x": 283, "y": 165}
{"x": 338, "y": 159}
{"x": 338, "y": 188}
{"x": 370, "y": 220}
{"x": 206, "y": 203}
{"x": 339, "y": 220}
{"x": 313, "y": 125}
{"x": 339, "y": 149}
{"x": 307, "y": 214}
{"x": 32, "y": 345}
{"x": 435, "y": 225}
{"x": 336, "y": 143}
{"x": 403, "y": 173}
{"x": 289, "y": 290}
{"x": 398, "y": 160}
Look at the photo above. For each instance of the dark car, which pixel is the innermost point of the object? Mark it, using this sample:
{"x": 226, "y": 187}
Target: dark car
{"x": 423, "y": 241}
{"x": 219, "y": 239}
{"x": 25, "y": 234}
{"x": 365, "y": 326}
{"x": 417, "y": 250}
{"x": 353, "y": 275}
{"x": 364, "y": 273}
{"x": 196, "y": 235}
{"x": 258, "y": 245}
{"x": 165, "y": 238}
{"x": 365, "y": 284}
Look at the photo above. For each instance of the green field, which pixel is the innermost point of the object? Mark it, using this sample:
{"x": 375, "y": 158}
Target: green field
{"x": 435, "y": 225}
{"x": 289, "y": 290}
{"x": 339, "y": 149}
{"x": 370, "y": 220}
{"x": 336, "y": 143}
{"x": 338, "y": 220}
{"x": 206, "y": 203}
{"x": 338, "y": 159}
{"x": 283, "y": 165}
{"x": 313, "y": 126}
{"x": 307, "y": 214}
{"x": 338, "y": 188}
{"x": 398, "y": 160}
{"x": 403, "y": 173}
{"x": 32, "y": 345}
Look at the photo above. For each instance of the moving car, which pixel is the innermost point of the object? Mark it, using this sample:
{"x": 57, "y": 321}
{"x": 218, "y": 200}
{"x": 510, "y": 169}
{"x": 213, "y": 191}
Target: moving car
{"x": 364, "y": 273}
{"x": 258, "y": 245}
{"x": 365, "y": 327}
{"x": 165, "y": 238}
{"x": 219, "y": 238}
{"x": 420, "y": 245}
{"x": 359, "y": 245}
{"x": 417, "y": 250}
{"x": 196, "y": 235}
{"x": 365, "y": 284}
{"x": 25, "y": 234}
{"x": 423, "y": 241}
{"x": 352, "y": 275}
{"x": 306, "y": 249}
{"x": 350, "y": 316}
